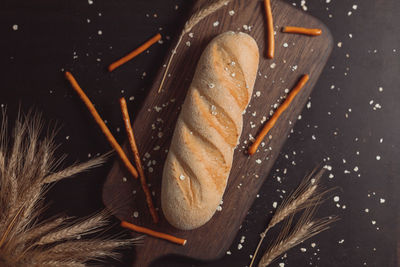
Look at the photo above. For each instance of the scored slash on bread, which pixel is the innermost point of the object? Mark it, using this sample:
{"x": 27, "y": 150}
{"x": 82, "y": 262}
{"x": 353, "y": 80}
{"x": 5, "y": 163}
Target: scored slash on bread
{"x": 208, "y": 129}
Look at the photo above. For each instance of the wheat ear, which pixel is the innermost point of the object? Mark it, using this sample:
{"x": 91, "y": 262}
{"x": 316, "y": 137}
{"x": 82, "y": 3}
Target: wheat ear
{"x": 75, "y": 169}
{"x": 84, "y": 227}
{"x": 305, "y": 228}
{"x": 39, "y": 230}
{"x": 306, "y": 195}
{"x": 64, "y": 263}
{"x": 194, "y": 19}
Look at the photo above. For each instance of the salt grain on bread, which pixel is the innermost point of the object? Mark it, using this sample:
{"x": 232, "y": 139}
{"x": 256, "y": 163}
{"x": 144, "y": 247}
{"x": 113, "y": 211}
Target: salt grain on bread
{"x": 208, "y": 130}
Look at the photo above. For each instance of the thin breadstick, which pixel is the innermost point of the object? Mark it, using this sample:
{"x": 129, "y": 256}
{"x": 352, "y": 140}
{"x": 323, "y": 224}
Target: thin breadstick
{"x": 101, "y": 123}
{"x": 136, "y": 156}
{"x": 150, "y": 232}
{"x": 271, "y": 122}
{"x": 270, "y": 29}
{"x": 301, "y": 30}
{"x": 135, "y": 52}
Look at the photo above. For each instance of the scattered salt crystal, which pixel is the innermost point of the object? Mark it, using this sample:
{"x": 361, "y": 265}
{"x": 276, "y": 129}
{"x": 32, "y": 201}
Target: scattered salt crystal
{"x": 188, "y": 43}
{"x": 99, "y": 32}
{"x": 231, "y": 12}
{"x": 273, "y": 65}
{"x": 336, "y": 198}
{"x": 258, "y": 161}
{"x": 215, "y": 24}
{"x": 275, "y": 204}
{"x": 240, "y": 246}
{"x": 378, "y": 157}
{"x": 182, "y": 177}
{"x": 303, "y": 249}
{"x": 135, "y": 214}
{"x": 229, "y": 252}
{"x": 339, "y": 44}
{"x": 15, "y": 27}
{"x": 382, "y": 200}
{"x": 285, "y": 45}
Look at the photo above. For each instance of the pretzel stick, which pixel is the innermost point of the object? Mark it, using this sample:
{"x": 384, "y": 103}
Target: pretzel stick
{"x": 135, "y": 52}
{"x": 268, "y": 126}
{"x": 150, "y": 232}
{"x": 301, "y": 30}
{"x": 101, "y": 123}
{"x": 135, "y": 151}
{"x": 270, "y": 28}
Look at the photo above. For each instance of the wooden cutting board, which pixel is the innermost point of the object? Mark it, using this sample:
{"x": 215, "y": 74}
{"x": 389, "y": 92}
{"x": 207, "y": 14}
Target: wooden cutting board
{"x": 154, "y": 124}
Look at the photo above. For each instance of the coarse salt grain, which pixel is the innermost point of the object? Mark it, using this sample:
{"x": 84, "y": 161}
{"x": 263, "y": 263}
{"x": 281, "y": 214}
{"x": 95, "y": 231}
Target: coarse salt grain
{"x": 182, "y": 177}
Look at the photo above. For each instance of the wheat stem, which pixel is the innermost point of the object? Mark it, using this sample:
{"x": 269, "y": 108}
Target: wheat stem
{"x": 194, "y": 19}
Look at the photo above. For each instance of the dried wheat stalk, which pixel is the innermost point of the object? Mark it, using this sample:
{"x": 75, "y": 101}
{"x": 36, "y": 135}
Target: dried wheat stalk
{"x": 194, "y": 19}
{"x": 306, "y": 195}
{"x": 305, "y": 228}
{"x": 27, "y": 166}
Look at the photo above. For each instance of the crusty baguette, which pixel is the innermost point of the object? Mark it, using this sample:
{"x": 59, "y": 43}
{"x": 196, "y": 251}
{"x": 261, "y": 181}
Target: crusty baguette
{"x": 208, "y": 130}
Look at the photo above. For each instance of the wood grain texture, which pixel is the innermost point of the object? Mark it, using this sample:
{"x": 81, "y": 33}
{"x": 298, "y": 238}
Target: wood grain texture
{"x": 155, "y": 122}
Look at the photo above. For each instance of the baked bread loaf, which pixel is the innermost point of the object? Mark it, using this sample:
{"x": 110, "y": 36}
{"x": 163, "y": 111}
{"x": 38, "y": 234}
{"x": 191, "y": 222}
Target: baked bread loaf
{"x": 208, "y": 130}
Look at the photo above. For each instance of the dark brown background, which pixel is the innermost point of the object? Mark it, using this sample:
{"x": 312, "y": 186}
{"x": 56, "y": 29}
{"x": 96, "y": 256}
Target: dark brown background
{"x": 50, "y": 32}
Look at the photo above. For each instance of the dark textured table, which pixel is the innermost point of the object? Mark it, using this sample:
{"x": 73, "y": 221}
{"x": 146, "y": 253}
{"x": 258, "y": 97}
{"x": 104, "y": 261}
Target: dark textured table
{"x": 350, "y": 124}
